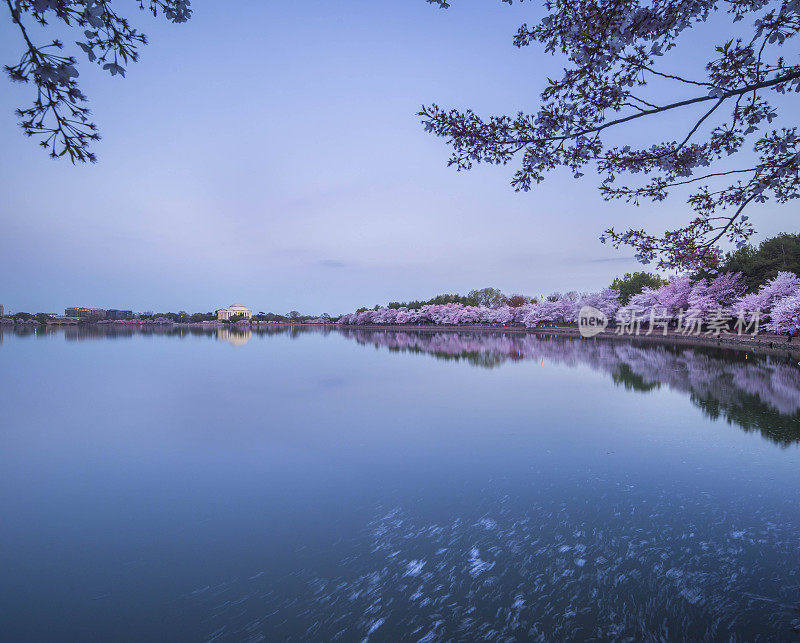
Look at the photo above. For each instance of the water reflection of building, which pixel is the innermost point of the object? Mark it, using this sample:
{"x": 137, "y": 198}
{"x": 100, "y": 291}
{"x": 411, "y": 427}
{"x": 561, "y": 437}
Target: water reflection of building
{"x": 237, "y": 310}
{"x": 235, "y": 336}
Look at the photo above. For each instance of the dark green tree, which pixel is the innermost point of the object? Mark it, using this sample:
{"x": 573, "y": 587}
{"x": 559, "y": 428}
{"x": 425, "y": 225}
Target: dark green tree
{"x": 634, "y": 283}
{"x": 485, "y": 297}
{"x": 778, "y": 254}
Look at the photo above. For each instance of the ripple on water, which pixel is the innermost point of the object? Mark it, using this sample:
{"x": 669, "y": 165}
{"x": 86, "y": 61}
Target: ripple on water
{"x": 539, "y": 573}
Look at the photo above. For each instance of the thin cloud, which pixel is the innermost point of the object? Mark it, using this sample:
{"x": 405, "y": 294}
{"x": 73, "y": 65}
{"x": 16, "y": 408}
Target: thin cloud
{"x": 612, "y": 260}
{"x": 332, "y": 263}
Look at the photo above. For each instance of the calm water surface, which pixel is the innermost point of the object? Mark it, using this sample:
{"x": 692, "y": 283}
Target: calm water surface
{"x": 420, "y": 486}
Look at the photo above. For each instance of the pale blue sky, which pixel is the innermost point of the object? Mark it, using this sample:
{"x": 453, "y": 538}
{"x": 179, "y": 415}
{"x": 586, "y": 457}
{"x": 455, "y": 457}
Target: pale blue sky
{"x": 272, "y": 155}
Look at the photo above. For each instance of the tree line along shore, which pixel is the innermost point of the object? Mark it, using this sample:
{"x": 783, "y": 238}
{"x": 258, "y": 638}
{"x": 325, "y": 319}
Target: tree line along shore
{"x": 757, "y": 288}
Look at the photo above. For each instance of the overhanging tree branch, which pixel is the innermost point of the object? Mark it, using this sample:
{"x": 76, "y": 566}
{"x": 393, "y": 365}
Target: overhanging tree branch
{"x": 57, "y": 115}
{"x": 613, "y": 46}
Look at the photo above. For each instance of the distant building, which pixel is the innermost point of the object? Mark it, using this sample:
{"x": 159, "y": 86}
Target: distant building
{"x": 113, "y": 313}
{"x": 2, "y": 310}
{"x": 85, "y": 313}
{"x": 237, "y": 310}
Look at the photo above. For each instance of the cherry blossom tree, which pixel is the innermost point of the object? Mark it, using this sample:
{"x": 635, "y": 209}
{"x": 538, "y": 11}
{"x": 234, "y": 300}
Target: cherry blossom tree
{"x": 673, "y": 297}
{"x": 709, "y": 297}
{"x": 666, "y": 302}
{"x": 785, "y": 315}
{"x": 488, "y": 315}
{"x": 568, "y": 307}
{"x": 617, "y": 50}
{"x": 784, "y": 285}
{"x": 749, "y": 303}
{"x": 385, "y": 316}
{"x": 543, "y": 312}
{"x": 503, "y": 315}
{"x": 556, "y": 308}
{"x": 58, "y": 116}
{"x": 365, "y": 317}
{"x": 646, "y": 302}
{"x": 717, "y": 294}
{"x": 606, "y": 301}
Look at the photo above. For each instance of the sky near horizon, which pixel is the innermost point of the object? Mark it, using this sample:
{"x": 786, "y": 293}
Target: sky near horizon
{"x": 272, "y": 156}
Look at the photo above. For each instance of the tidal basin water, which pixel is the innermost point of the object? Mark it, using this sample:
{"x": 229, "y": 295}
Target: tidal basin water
{"x": 325, "y": 485}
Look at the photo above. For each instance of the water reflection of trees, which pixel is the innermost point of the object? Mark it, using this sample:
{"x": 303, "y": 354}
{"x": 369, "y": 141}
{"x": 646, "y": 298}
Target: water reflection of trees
{"x": 757, "y": 393}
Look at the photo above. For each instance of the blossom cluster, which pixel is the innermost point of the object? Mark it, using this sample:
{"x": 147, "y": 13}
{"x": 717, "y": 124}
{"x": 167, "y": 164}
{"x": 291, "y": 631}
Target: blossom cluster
{"x": 721, "y": 298}
{"x": 556, "y": 309}
{"x": 705, "y": 300}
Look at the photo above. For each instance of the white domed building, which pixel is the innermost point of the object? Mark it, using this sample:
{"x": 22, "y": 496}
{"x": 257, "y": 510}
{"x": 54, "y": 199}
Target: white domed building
{"x": 237, "y": 311}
